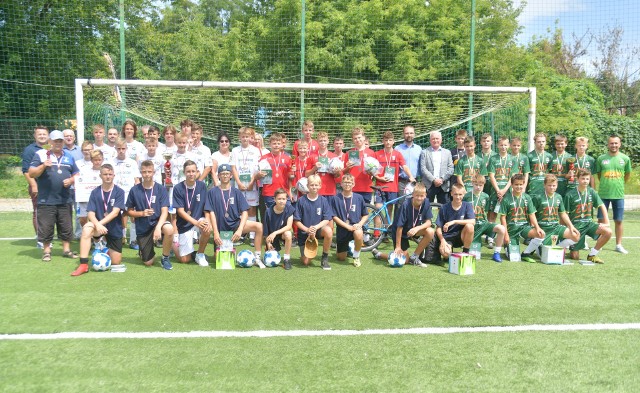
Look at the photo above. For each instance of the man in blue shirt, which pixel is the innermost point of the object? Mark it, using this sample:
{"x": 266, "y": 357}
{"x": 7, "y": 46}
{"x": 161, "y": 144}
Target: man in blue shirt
{"x": 54, "y": 172}
{"x": 411, "y": 153}
{"x": 70, "y": 145}
{"x": 41, "y": 136}
{"x": 104, "y": 215}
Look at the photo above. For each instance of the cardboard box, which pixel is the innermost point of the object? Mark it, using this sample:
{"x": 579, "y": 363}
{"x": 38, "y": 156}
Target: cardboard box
{"x": 552, "y": 255}
{"x": 225, "y": 260}
{"x": 462, "y": 264}
{"x": 476, "y": 250}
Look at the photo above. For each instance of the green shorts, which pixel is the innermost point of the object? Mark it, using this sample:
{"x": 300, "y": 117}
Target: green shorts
{"x": 485, "y": 228}
{"x": 519, "y": 231}
{"x": 586, "y": 229}
{"x": 558, "y": 230}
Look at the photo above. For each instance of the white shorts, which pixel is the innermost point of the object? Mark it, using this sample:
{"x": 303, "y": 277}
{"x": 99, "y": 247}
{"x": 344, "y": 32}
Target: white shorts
{"x": 81, "y": 210}
{"x": 185, "y": 240}
{"x": 252, "y": 197}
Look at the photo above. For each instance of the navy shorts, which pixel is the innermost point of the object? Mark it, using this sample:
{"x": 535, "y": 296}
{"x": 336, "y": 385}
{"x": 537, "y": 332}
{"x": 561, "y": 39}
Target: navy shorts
{"x": 618, "y": 208}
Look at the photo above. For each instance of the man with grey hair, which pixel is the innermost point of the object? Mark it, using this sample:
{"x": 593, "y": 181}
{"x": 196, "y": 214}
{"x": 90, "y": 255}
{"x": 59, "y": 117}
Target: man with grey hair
{"x": 70, "y": 145}
{"x": 436, "y": 167}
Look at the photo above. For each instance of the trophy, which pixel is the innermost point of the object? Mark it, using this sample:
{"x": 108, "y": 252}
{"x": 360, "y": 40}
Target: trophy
{"x": 167, "y": 155}
{"x": 571, "y": 161}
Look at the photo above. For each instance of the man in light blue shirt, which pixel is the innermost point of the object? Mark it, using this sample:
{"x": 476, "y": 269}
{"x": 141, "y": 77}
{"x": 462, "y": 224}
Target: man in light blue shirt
{"x": 411, "y": 153}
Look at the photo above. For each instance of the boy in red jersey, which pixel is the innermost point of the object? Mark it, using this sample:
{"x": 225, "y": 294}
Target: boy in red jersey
{"x": 307, "y": 135}
{"x": 362, "y": 178}
{"x": 280, "y": 165}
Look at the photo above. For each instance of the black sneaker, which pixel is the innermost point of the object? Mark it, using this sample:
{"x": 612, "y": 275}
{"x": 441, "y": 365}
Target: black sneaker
{"x": 287, "y": 264}
{"x": 325, "y": 263}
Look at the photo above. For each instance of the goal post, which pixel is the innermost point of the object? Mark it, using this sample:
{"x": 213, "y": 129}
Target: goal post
{"x": 278, "y": 107}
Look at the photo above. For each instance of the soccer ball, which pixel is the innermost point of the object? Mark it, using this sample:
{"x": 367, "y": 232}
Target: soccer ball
{"x": 272, "y": 258}
{"x": 245, "y": 258}
{"x": 396, "y": 260}
{"x": 336, "y": 164}
{"x": 302, "y": 185}
{"x": 101, "y": 261}
{"x": 372, "y": 166}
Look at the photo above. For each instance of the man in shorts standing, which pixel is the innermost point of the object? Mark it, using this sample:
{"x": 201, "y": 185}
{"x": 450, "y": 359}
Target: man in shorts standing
{"x": 614, "y": 170}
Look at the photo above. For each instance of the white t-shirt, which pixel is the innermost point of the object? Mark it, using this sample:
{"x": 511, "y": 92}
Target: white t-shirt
{"x": 220, "y": 158}
{"x": 202, "y": 156}
{"x": 125, "y": 172}
{"x": 245, "y": 161}
{"x": 108, "y": 153}
{"x": 135, "y": 150}
{"x": 177, "y": 166}
{"x": 158, "y": 165}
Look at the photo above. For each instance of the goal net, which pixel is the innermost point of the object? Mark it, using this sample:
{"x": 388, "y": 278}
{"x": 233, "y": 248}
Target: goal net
{"x": 282, "y": 107}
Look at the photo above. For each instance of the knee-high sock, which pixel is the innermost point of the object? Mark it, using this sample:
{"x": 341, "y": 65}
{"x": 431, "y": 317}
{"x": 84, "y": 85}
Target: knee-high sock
{"x": 252, "y": 235}
{"x": 566, "y": 243}
{"x": 535, "y": 243}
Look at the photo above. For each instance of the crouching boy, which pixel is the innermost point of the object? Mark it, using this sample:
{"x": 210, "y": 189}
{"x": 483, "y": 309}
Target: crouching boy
{"x": 278, "y": 223}
{"x": 350, "y": 214}
{"x": 455, "y": 223}
{"x": 412, "y": 219}
{"x": 550, "y": 212}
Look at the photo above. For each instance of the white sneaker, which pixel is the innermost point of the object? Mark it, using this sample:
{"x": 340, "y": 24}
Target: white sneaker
{"x": 621, "y": 249}
{"x": 201, "y": 260}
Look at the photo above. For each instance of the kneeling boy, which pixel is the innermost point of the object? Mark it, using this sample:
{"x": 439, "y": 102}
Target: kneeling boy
{"x": 104, "y": 214}
{"x": 413, "y": 218}
{"x": 455, "y": 223}
{"x": 278, "y": 223}
{"x": 350, "y": 214}
{"x": 550, "y": 212}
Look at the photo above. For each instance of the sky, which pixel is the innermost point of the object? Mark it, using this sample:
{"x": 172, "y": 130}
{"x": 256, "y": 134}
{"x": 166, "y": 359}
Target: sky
{"x": 584, "y": 16}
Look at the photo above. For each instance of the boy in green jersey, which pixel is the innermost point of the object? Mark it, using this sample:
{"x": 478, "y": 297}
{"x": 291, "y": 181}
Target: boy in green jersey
{"x": 581, "y": 161}
{"x": 613, "y": 169}
{"x": 486, "y": 142}
{"x": 559, "y": 164}
{"x": 522, "y": 161}
{"x": 550, "y": 212}
{"x": 539, "y": 161}
{"x": 580, "y": 203}
{"x": 518, "y": 215}
{"x": 480, "y": 201}
{"x": 501, "y": 168}
{"x": 469, "y": 164}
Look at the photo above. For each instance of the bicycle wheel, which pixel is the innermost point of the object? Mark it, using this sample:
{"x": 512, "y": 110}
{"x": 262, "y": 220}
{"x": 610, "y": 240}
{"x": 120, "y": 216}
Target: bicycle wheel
{"x": 370, "y": 228}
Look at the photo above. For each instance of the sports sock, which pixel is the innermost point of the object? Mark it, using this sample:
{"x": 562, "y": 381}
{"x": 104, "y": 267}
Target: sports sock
{"x": 356, "y": 254}
{"x": 84, "y": 261}
{"x": 566, "y": 243}
{"x": 465, "y": 250}
{"x": 533, "y": 244}
{"x": 593, "y": 252}
{"x": 287, "y": 257}
{"x": 497, "y": 249}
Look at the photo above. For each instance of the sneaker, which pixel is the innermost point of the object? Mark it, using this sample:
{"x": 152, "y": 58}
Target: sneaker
{"x": 166, "y": 263}
{"x": 82, "y": 269}
{"x": 356, "y": 262}
{"x": 415, "y": 261}
{"x": 527, "y": 258}
{"x": 287, "y": 264}
{"x": 134, "y": 245}
{"x": 39, "y": 245}
{"x": 595, "y": 259}
{"x": 621, "y": 249}
{"x": 201, "y": 260}
{"x": 252, "y": 242}
{"x": 490, "y": 243}
{"x": 325, "y": 263}
{"x": 496, "y": 257}
{"x": 260, "y": 264}
{"x": 334, "y": 245}
{"x": 239, "y": 242}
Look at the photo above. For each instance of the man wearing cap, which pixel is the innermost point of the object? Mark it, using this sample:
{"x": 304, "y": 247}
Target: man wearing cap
{"x": 41, "y": 137}
{"x": 54, "y": 170}
{"x": 227, "y": 210}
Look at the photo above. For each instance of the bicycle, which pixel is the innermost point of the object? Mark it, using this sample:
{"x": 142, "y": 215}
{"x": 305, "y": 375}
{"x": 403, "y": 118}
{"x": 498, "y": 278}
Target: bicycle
{"x": 374, "y": 234}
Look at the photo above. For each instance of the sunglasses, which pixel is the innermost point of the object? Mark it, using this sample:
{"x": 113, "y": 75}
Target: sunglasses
{"x": 224, "y": 141}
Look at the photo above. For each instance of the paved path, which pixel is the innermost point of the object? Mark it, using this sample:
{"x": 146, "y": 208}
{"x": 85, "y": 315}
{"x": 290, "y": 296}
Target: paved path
{"x": 631, "y": 202}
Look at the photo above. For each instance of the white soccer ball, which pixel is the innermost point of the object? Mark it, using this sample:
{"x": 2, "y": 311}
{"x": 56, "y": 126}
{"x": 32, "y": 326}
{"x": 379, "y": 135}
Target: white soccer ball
{"x": 272, "y": 258}
{"x": 397, "y": 260}
{"x": 245, "y": 258}
{"x": 372, "y": 166}
{"x": 336, "y": 164}
{"x": 101, "y": 261}
{"x": 302, "y": 185}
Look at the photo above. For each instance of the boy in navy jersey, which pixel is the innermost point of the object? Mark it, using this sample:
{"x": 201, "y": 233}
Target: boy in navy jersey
{"x": 228, "y": 210}
{"x": 350, "y": 214}
{"x": 148, "y": 203}
{"x": 104, "y": 214}
{"x": 278, "y": 223}
{"x": 189, "y": 199}
{"x": 413, "y": 218}
{"x": 455, "y": 223}
{"x": 313, "y": 213}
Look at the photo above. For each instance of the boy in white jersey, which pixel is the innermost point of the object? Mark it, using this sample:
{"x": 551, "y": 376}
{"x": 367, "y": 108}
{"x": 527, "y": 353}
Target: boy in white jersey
{"x": 152, "y": 154}
{"x": 200, "y": 154}
{"x": 108, "y": 152}
{"x": 244, "y": 167}
{"x": 127, "y": 175}
{"x": 154, "y": 132}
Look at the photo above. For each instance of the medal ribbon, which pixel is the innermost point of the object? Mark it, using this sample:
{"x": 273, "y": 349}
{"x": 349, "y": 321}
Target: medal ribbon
{"x": 106, "y": 202}
{"x": 189, "y": 200}
{"x": 150, "y": 196}
{"x": 344, "y": 201}
{"x": 225, "y": 202}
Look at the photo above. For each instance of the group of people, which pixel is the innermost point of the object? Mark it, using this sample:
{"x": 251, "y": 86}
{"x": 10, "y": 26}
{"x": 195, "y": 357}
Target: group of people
{"x": 177, "y": 195}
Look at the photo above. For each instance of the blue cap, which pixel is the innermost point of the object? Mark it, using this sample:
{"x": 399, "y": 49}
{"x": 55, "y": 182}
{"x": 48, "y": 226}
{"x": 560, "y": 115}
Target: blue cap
{"x": 224, "y": 168}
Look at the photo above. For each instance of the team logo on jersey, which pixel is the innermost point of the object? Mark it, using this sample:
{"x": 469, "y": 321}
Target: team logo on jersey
{"x": 197, "y": 197}
{"x": 621, "y": 162}
{"x": 353, "y": 208}
{"x": 153, "y": 199}
{"x": 605, "y": 162}
{"x": 231, "y": 200}
{"x": 318, "y": 211}
{"x": 113, "y": 202}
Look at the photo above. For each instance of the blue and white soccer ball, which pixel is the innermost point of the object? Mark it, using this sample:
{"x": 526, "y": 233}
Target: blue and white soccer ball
{"x": 397, "y": 260}
{"x": 101, "y": 261}
{"x": 272, "y": 258}
{"x": 245, "y": 258}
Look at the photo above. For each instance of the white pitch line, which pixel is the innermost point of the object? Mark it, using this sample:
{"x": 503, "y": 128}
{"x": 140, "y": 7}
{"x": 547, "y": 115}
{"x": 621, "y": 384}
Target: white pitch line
{"x": 317, "y": 333}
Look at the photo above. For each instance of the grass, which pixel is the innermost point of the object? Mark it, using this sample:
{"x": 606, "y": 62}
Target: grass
{"x": 43, "y": 298}
{"x": 13, "y": 186}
